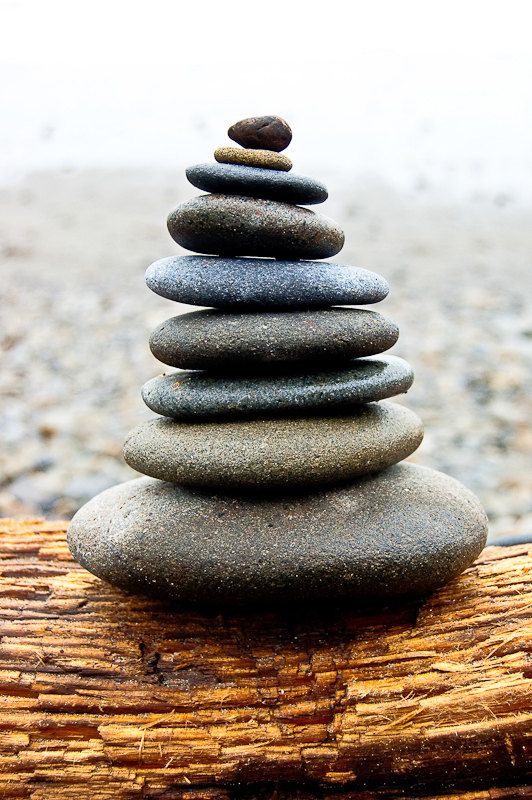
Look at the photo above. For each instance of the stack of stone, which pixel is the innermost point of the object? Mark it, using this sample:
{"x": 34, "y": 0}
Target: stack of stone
{"x": 272, "y": 466}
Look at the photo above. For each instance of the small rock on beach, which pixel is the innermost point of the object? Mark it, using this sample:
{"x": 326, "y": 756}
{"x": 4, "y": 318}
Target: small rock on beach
{"x": 244, "y": 226}
{"x": 201, "y": 395}
{"x": 307, "y": 451}
{"x": 266, "y": 159}
{"x": 256, "y": 283}
{"x": 267, "y": 184}
{"x": 222, "y": 340}
{"x": 269, "y": 133}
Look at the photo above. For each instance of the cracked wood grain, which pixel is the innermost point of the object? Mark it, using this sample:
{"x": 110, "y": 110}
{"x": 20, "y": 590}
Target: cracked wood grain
{"x": 106, "y": 695}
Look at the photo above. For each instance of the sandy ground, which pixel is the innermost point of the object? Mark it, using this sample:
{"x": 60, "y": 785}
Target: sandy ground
{"x": 76, "y": 316}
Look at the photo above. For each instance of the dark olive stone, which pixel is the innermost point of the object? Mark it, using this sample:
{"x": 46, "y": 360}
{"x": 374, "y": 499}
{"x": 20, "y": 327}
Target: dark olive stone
{"x": 201, "y": 395}
{"x": 270, "y": 453}
{"x": 223, "y": 340}
{"x": 256, "y": 283}
{"x": 245, "y": 226}
{"x": 405, "y": 531}
{"x": 268, "y": 184}
{"x": 270, "y": 133}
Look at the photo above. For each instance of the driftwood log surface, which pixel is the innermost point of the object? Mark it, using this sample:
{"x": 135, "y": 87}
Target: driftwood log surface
{"x": 106, "y": 695}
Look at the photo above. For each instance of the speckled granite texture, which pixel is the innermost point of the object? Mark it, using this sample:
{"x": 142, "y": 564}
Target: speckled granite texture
{"x": 268, "y": 184}
{"x": 406, "y": 530}
{"x": 266, "y": 159}
{"x": 307, "y": 451}
{"x": 244, "y": 226}
{"x": 263, "y": 283}
{"x": 201, "y": 395}
{"x": 217, "y": 339}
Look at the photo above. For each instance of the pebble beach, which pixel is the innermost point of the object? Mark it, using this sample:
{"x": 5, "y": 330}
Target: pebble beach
{"x": 76, "y": 316}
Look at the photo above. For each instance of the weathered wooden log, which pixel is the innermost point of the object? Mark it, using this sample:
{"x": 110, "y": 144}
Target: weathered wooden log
{"x": 107, "y": 695}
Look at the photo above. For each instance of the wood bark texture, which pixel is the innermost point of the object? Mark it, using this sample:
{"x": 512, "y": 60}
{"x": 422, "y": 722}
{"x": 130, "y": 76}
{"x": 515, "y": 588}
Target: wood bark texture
{"x": 107, "y": 695}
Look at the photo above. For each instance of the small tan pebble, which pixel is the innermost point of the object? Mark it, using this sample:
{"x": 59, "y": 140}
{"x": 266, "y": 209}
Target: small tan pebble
{"x": 266, "y": 159}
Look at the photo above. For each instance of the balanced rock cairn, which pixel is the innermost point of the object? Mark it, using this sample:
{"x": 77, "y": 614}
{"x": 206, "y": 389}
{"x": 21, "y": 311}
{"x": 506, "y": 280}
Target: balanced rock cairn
{"x": 274, "y": 469}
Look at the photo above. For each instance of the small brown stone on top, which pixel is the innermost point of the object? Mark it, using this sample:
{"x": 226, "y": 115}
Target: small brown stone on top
{"x": 268, "y": 133}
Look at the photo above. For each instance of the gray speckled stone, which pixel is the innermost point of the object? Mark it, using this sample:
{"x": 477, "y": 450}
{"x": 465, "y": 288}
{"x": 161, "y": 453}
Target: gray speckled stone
{"x": 263, "y": 282}
{"x": 268, "y": 184}
{"x": 244, "y": 226}
{"x": 405, "y": 531}
{"x": 201, "y": 395}
{"x": 220, "y": 340}
{"x": 270, "y": 453}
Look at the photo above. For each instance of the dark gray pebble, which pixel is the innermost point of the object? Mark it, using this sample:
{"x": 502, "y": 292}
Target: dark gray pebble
{"x": 268, "y": 453}
{"x": 263, "y": 282}
{"x": 200, "y": 395}
{"x": 268, "y": 184}
{"x": 222, "y": 340}
{"x": 405, "y": 531}
{"x": 232, "y": 225}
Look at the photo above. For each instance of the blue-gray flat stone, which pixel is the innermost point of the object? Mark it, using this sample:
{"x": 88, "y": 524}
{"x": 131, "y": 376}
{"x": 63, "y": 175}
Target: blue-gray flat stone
{"x": 269, "y": 184}
{"x": 404, "y": 531}
{"x": 201, "y": 395}
{"x": 232, "y": 225}
{"x": 263, "y": 282}
{"x": 269, "y": 453}
{"x": 223, "y": 340}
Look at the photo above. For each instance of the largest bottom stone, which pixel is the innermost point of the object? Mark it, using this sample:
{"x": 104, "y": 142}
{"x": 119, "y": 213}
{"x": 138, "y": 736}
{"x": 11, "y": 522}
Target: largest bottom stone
{"x": 406, "y": 530}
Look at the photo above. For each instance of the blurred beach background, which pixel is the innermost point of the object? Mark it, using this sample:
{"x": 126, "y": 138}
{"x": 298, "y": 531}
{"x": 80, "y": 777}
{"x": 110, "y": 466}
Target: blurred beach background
{"x": 418, "y": 118}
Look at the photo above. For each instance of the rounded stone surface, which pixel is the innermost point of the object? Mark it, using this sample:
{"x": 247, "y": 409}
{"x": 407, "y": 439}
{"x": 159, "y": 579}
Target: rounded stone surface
{"x": 405, "y": 531}
{"x": 224, "y": 340}
{"x": 232, "y": 225}
{"x": 266, "y": 159}
{"x": 270, "y": 133}
{"x": 269, "y": 453}
{"x": 267, "y": 184}
{"x": 200, "y": 395}
{"x": 257, "y": 283}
